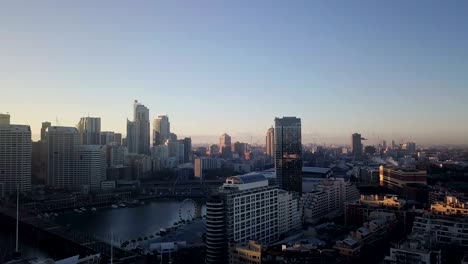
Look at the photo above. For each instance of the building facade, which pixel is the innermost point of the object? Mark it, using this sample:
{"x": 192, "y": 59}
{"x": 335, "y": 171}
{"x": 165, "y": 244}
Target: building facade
{"x": 91, "y": 166}
{"x": 15, "y": 158}
{"x": 288, "y": 153}
{"x": 397, "y": 178}
{"x": 270, "y": 143}
{"x": 247, "y": 208}
{"x": 89, "y": 129}
{"x": 161, "y": 130}
{"x": 138, "y": 130}
{"x": 356, "y": 144}
{"x": 62, "y": 143}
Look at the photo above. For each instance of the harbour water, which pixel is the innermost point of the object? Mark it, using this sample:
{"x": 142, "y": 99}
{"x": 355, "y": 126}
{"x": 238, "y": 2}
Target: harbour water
{"x": 131, "y": 222}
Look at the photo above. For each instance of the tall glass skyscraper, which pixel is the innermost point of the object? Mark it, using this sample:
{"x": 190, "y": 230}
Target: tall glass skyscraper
{"x": 288, "y": 153}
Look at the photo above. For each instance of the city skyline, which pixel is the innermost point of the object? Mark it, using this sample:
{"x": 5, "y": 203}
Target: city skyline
{"x": 342, "y": 68}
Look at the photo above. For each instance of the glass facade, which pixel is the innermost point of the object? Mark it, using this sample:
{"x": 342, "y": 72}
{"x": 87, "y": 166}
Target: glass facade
{"x": 288, "y": 153}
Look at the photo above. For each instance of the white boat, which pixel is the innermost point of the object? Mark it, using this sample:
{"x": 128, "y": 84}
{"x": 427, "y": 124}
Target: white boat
{"x": 162, "y": 230}
{"x": 77, "y": 210}
{"x": 142, "y": 202}
{"x": 83, "y": 209}
{"x": 122, "y": 205}
{"x": 46, "y": 215}
{"x": 93, "y": 209}
{"x": 55, "y": 214}
{"x": 114, "y": 206}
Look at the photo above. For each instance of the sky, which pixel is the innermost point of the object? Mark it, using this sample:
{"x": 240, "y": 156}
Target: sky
{"x": 387, "y": 69}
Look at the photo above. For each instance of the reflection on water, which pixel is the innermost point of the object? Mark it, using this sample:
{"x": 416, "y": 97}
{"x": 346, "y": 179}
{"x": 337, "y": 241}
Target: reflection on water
{"x": 131, "y": 222}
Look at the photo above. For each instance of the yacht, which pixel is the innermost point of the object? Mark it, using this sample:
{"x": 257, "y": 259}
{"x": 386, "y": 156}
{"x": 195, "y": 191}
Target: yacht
{"x": 114, "y": 206}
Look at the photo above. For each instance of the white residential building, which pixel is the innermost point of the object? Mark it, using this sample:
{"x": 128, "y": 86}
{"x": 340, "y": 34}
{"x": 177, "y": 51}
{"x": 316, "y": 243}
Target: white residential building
{"x": 289, "y": 211}
{"x": 247, "y": 208}
{"x": 15, "y": 158}
{"x": 328, "y": 199}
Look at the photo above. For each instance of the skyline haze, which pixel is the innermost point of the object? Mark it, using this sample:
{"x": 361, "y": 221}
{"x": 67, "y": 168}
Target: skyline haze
{"x": 220, "y": 67}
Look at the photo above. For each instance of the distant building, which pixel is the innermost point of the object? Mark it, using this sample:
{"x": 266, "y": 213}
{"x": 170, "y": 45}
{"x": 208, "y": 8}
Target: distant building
{"x": 270, "y": 143}
{"x": 118, "y": 138}
{"x": 213, "y": 150}
{"x": 244, "y": 253}
{"x": 4, "y": 119}
{"x": 240, "y": 149}
{"x": 160, "y": 156}
{"x": 141, "y": 165}
{"x": 288, "y": 153}
{"x": 202, "y": 165}
{"x": 397, "y": 178}
{"x": 62, "y": 145}
{"x": 225, "y": 146}
{"x": 161, "y": 130}
{"x": 107, "y": 137}
{"x": 451, "y": 206}
{"x": 138, "y": 130}
{"x": 410, "y": 147}
{"x": 39, "y": 162}
{"x": 187, "y": 142}
{"x": 356, "y": 145}
{"x": 91, "y": 166}
{"x": 89, "y": 129}
{"x": 115, "y": 154}
{"x": 328, "y": 199}
{"x": 44, "y": 127}
{"x": 15, "y": 158}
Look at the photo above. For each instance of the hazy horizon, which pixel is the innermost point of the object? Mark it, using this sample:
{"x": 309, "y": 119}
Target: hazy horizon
{"x": 388, "y": 70}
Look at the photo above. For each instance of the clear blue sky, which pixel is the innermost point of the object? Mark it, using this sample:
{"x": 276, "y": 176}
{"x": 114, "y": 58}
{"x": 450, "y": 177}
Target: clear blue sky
{"x": 388, "y": 69}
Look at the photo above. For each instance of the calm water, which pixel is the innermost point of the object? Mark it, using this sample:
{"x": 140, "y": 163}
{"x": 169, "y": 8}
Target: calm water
{"x": 131, "y": 222}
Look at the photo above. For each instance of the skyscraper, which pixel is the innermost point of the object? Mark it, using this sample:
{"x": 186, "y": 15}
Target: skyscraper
{"x": 89, "y": 129}
{"x": 62, "y": 144}
{"x": 187, "y": 149}
{"x": 118, "y": 138}
{"x": 161, "y": 130}
{"x": 356, "y": 145}
{"x": 288, "y": 153}
{"x": 270, "y": 143}
{"x": 44, "y": 127}
{"x": 15, "y": 158}
{"x": 138, "y": 130}
{"x": 225, "y": 145}
{"x": 107, "y": 137}
{"x": 91, "y": 166}
{"x": 4, "y": 119}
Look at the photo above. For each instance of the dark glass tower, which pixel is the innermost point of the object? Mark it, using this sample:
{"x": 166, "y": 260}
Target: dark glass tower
{"x": 288, "y": 153}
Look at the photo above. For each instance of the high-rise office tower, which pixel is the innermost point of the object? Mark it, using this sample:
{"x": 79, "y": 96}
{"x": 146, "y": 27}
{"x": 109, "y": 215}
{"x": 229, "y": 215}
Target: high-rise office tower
{"x": 225, "y": 146}
{"x": 187, "y": 149}
{"x": 384, "y": 144}
{"x": 213, "y": 150}
{"x": 62, "y": 144}
{"x": 118, "y": 138}
{"x": 107, "y": 137}
{"x": 44, "y": 127}
{"x": 173, "y": 136}
{"x": 115, "y": 154}
{"x": 138, "y": 130}
{"x": 89, "y": 129}
{"x": 270, "y": 143}
{"x": 288, "y": 153}
{"x": 91, "y": 166}
{"x": 240, "y": 149}
{"x": 15, "y": 158}
{"x": 4, "y": 119}
{"x": 356, "y": 144}
{"x": 161, "y": 130}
